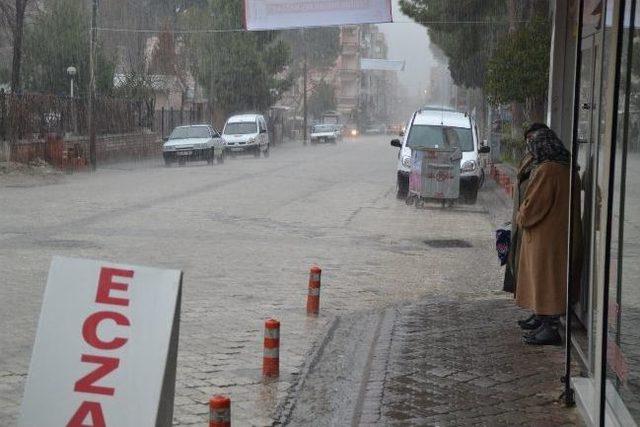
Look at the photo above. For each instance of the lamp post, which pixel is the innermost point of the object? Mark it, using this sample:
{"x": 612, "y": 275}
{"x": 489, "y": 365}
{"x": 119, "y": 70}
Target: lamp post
{"x": 71, "y": 71}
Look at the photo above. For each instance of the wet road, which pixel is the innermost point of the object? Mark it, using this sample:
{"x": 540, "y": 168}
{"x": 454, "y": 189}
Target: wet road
{"x": 245, "y": 234}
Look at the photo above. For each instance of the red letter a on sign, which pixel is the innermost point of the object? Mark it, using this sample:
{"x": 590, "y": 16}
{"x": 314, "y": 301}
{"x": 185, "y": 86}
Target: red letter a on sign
{"x": 93, "y": 408}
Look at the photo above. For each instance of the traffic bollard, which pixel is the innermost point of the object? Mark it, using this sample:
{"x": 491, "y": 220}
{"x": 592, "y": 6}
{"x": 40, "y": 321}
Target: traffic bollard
{"x": 313, "y": 298}
{"x": 219, "y": 411}
{"x": 271, "y": 357}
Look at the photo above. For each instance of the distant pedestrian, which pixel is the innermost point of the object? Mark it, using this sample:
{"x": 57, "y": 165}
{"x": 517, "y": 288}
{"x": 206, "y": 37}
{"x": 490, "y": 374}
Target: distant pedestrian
{"x": 543, "y": 218}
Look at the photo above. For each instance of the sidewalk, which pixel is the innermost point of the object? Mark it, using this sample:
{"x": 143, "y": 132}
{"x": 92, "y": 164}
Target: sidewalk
{"x": 450, "y": 358}
{"x": 459, "y": 362}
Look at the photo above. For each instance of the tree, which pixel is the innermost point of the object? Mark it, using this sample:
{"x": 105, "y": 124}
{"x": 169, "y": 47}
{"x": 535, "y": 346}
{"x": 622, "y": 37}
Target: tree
{"x": 12, "y": 15}
{"x": 464, "y": 30}
{"x": 59, "y": 38}
{"x": 322, "y": 99}
{"x": 239, "y": 70}
{"x": 519, "y": 69}
{"x": 320, "y": 45}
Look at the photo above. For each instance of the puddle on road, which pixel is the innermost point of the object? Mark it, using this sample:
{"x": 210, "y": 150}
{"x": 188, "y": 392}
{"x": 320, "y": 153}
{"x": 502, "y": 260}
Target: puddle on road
{"x": 66, "y": 244}
{"x": 447, "y": 243}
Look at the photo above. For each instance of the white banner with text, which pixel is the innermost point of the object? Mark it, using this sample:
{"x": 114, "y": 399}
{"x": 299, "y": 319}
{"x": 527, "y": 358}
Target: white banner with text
{"x": 281, "y": 14}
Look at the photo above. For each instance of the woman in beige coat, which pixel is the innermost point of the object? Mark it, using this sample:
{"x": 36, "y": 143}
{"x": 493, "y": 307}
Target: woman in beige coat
{"x": 543, "y": 220}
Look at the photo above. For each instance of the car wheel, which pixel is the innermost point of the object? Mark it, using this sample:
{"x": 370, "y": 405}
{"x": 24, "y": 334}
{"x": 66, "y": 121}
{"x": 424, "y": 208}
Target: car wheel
{"x": 471, "y": 197}
{"x": 256, "y": 153}
{"x": 403, "y": 188}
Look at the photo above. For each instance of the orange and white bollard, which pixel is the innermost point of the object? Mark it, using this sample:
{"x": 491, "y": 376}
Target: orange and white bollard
{"x": 271, "y": 356}
{"x": 219, "y": 411}
{"x": 313, "y": 299}
{"x": 507, "y": 185}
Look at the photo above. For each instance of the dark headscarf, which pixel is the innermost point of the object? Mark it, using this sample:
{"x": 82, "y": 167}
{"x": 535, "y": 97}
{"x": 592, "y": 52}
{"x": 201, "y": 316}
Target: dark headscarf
{"x": 545, "y": 146}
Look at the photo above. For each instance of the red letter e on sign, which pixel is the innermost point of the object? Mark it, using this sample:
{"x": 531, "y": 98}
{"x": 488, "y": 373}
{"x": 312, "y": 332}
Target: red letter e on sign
{"x": 106, "y": 285}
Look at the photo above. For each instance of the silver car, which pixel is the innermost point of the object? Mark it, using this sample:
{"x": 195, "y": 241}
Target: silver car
{"x": 193, "y": 143}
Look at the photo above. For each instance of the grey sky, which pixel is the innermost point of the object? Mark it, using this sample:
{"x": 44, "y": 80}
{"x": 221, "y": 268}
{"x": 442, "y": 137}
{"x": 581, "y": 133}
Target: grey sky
{"x": 409, "y": 41}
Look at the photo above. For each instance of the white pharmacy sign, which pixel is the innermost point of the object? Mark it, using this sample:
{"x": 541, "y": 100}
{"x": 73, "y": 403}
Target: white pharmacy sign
{"x": 281, "y": 14}
{"x": 106, "y": 347}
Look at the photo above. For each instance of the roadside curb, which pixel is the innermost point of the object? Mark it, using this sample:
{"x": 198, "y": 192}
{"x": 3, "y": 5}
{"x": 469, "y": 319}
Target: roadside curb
{"x": 285, "y": 409}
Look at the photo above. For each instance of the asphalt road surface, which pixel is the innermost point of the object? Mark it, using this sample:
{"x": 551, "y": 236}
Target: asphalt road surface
{"x": 245, "y": 234}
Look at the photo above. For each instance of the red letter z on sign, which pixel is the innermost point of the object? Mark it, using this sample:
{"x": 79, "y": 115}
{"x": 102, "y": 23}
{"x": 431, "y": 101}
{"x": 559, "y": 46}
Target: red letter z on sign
{"x": 106, "y": 285}
{"x": 86, "y": 383}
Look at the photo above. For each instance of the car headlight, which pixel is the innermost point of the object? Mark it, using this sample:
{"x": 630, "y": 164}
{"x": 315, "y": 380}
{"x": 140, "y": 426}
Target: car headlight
{"x": 469, "y": 166}
{"x": 252, "y": 140}
{"x": 406, "y": 162}
{"x": 168, "y": 148}
{"x": 354, "y": 132}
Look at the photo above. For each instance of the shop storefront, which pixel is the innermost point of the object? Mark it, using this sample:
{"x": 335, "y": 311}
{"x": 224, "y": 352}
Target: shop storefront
{"x": 595, "y": 104}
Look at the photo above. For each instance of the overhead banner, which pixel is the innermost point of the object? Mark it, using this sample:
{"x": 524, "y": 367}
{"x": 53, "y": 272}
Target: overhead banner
{"x": 381, "y": 64}
{"x": 106, "y": 347}
{"x": 283, "y": 14}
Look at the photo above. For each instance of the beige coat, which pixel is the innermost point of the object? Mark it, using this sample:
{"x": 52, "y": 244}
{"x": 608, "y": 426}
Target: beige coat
{"x": 511, "y": 275}
{"x": 543, "y": 218}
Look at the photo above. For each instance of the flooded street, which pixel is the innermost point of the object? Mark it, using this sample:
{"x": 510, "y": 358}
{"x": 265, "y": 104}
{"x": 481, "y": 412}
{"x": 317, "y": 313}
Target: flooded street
{"x": 245, "y": 234}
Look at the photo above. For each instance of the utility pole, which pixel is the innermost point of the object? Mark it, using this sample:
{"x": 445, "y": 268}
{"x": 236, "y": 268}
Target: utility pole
{"x": 92, "y": 86}
{"x": 304, "y": 98}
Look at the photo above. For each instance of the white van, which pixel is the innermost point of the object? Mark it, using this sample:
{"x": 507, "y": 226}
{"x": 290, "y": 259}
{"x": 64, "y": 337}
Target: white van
{"x": 246, "y": 133}
{"x": 430, "y": 121}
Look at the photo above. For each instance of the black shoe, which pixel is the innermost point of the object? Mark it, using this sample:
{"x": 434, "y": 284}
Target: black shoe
{"x": 532, "y": 323}
{"x": 545, "y": 335}
{"x": 527, "y": 320}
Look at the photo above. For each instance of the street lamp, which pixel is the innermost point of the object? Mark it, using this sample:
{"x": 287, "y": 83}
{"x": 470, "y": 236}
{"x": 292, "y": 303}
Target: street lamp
{"x": 72, "y": 72}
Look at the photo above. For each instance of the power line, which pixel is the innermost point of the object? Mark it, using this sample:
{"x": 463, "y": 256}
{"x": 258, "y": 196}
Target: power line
{"x": 240, "y": 30}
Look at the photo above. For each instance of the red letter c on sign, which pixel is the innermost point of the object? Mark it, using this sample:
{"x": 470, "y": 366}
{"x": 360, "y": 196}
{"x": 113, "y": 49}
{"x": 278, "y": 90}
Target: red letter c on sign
{"x": 90, "y": 330}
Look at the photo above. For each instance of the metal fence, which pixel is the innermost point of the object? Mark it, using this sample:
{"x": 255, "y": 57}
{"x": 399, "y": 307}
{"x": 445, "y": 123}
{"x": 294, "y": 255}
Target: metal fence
{"x": 32, "y": 116}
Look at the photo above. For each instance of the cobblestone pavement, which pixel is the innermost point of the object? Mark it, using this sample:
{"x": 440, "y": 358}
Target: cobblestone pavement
{"x": 457, "y": 362}
{"x": 245, "y": 234}
{"x": 453, "y": 359}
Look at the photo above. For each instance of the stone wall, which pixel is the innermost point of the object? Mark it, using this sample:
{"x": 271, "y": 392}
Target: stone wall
{"x": 64, "y": 152}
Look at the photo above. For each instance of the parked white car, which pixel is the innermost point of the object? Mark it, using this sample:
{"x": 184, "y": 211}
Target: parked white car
{"x": 431, "y": 121}
{"x": 325, "y": 133}
{"x": 193, "y": 143}
{"x": 246, "y": 133}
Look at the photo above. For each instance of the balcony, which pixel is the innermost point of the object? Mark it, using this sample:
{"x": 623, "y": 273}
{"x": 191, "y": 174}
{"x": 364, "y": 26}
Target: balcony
{"x": 347, "y": 101}
{"x": 350, "y": 48}
{"x": 348, "y": 72}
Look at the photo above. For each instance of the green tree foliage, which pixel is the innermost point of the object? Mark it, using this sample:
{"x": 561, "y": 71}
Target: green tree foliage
{"x": 57, "y": 39}
{"x": 467, "y": 46}
{"x": 322, "y": 99}
{"x": 239, "y": 70}
{"x": 519, "y": 68}
{"x": 321, "y": 45}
